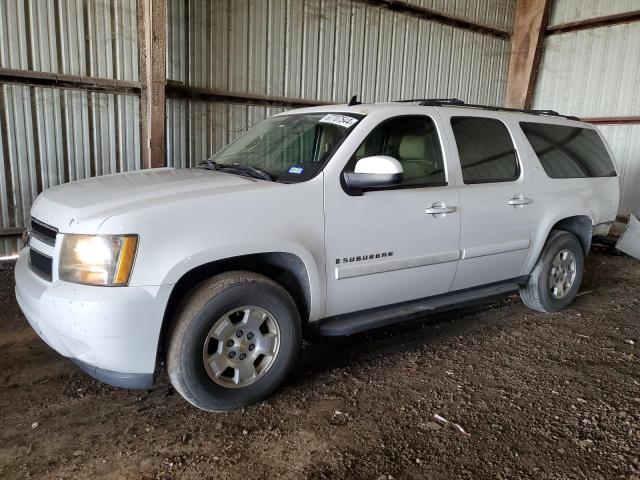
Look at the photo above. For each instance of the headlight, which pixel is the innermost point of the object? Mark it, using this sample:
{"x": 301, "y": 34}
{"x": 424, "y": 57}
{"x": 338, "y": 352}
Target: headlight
{"x": 97, "y": 259}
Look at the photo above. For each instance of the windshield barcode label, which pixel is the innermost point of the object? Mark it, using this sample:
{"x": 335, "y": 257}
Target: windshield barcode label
{"x": 340, "y": 120}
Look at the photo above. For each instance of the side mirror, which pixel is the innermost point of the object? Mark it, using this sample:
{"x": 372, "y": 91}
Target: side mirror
{"x": 375, "y": 171}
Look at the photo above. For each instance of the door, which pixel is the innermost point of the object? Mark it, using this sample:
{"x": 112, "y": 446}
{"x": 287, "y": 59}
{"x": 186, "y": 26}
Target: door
{"x": 497, "y": 201}
{"x": 383, "y": 246}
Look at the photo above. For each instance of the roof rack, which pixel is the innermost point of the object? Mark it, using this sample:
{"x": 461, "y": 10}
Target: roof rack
{"x": 454, "y": 102}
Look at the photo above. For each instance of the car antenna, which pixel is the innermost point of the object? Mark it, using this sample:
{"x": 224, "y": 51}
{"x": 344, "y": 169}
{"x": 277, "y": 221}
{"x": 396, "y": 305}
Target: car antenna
{"x": 354, "y": 101}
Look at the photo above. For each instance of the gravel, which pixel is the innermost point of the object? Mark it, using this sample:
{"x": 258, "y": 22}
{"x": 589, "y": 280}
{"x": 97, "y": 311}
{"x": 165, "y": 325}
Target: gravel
{"x": 541, "y": 396}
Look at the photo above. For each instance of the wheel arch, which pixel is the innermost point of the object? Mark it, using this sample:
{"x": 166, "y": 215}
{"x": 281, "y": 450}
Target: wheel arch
{"x": 578, "y": 223}
{"x": 286, "y": 269}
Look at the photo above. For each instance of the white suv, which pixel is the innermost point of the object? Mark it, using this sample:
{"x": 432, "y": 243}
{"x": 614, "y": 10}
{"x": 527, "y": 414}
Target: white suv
{"x": 332, "y": 219}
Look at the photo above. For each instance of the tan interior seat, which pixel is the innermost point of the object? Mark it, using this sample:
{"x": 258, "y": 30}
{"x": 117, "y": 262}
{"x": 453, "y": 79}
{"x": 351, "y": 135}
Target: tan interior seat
{"x": 413, "y": 156}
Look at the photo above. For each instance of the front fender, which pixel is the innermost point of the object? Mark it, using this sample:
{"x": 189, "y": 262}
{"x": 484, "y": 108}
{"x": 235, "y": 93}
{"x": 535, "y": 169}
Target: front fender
{"x": 315, "y": 274}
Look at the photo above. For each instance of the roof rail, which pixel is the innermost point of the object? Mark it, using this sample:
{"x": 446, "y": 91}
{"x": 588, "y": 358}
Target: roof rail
{"x": 454, "y": 102}
{"x": 434, "y": 102}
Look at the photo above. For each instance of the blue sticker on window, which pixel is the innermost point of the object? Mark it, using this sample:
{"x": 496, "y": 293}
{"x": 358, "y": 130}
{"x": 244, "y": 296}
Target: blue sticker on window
{"x": 296, "y": 170}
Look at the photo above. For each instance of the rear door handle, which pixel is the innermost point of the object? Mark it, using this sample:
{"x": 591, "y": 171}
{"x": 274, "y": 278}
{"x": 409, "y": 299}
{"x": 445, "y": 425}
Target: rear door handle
{"x": 519, "y": 201}
{"x": 439, "y": 209}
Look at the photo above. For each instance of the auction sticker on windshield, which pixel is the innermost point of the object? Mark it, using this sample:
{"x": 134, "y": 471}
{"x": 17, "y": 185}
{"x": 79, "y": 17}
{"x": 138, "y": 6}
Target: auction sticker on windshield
{"x": 340, "y": 120}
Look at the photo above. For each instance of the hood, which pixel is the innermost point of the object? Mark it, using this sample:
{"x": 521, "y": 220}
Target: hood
{"x": 90, "y": 202}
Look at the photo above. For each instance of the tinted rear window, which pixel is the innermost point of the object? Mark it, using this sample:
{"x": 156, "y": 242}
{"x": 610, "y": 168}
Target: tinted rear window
{"x": 569, "y": 152}
{"x": 485, "y": 149}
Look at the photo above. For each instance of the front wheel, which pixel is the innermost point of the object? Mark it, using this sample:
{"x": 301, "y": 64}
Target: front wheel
{"x": 233, "y": 342}
{"x": 556, "y": 278}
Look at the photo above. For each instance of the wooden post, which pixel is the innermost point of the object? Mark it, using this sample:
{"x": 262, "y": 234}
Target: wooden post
{"x": 529, "y": 27}
{"x": 152, "y": 34}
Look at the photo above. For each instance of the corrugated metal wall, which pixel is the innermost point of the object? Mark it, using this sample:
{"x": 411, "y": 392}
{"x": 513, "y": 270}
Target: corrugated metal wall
{"x": 492, "y": 13}
{"x": 596, "y": 73}
{"x": 591, "y": 73}
{"x": 625, "y": 143}
{"x": 565, "y": 11}
{"x": 321, "y": 50}
{"x": 96, "y": 38}
{"x": 313, "y": 49}
{"x": 200, "y": 128}
{"x": 50, "y": 136}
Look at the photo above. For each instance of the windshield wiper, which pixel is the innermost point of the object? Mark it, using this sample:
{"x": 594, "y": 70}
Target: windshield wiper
{"x": 251, "y": 170}
{"x": 208, "y": 165}
{"x": 237, "y": 168}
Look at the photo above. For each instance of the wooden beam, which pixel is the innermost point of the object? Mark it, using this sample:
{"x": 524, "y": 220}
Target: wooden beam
{"x": 74, "y": 82}
{"x": 152, "y": 34}
{"x": 605, "y": 21}
{"x": 11, "y": 232}
{"x": 526, "y": 45}
{"x": 179, "y": 90}
{"x": 612, "y": 120}
{"x": 410, "y": 9}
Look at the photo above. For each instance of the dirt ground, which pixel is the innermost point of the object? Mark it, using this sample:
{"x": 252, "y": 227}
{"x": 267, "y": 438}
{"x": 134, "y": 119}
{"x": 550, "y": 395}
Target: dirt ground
{"x": 541, "y": 396}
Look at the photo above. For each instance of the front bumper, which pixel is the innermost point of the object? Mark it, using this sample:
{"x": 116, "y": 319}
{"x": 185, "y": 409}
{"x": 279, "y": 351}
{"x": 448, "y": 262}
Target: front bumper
{"x": 110, "y": 332}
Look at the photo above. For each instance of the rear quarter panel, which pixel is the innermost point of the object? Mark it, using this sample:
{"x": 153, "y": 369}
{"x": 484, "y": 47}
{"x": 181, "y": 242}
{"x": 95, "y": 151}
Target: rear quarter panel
{"x": 560, "y": 198}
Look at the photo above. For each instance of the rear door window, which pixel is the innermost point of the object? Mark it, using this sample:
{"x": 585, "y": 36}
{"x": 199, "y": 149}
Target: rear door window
{"x": 486, "y": 151}
{"x": 569, "y": 152}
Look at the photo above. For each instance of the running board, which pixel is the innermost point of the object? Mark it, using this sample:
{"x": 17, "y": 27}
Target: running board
{"x": 356, "y": 322}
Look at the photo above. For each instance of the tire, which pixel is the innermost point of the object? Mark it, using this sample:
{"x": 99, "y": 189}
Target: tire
{"x": 542, "y": 292}
{"x": 229, "y": 301}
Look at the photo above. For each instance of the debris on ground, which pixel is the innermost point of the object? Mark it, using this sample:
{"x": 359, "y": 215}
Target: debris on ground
{"x": 582, "y": 293}
{"x": 444, "y": 420}
{"x": 629, "y": 242}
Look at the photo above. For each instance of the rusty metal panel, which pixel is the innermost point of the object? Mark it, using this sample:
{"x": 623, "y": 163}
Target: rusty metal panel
{"x": 565, "y": 11}
{"x": 625, "y": 143}
{"x": 75, "y": 37}
{"x": 51, "y": 136}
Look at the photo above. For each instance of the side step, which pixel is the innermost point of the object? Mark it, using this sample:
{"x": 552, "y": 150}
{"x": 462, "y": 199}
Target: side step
{"x": 356, "y": 322}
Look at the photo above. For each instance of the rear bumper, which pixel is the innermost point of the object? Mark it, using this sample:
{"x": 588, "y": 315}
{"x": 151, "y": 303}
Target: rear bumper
{"x": 110, "y": 332}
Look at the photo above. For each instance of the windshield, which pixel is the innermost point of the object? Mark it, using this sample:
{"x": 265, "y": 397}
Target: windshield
{"x": 289, "y": 148}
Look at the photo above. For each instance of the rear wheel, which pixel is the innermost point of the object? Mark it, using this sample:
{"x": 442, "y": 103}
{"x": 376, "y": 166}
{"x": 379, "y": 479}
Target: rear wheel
{"x": 556, "y": 278}
{"x": 233, "y": 342}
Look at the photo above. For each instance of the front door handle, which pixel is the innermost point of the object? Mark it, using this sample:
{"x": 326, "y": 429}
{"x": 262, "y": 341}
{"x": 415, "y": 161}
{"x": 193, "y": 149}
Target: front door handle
{"x": 439, "y": 209}
{"x": 520, "y": 201}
